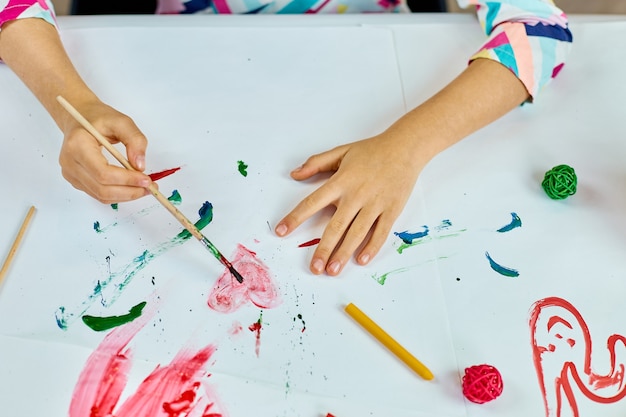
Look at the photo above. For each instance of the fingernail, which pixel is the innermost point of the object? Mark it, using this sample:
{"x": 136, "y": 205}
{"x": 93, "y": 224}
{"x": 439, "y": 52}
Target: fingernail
{"x": 140, "y": 161}
{"x": 145, "y": 183}
{"x": 334, "y": 267}
{"x": 365, "y": 258}
{"x": 297, "y": 169}
{"x": 281, "y": 229}
{"x": 317, "y": 266}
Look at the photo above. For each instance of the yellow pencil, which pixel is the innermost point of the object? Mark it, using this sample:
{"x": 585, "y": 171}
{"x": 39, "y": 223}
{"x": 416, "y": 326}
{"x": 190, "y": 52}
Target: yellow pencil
{"x": 388, "y": 341}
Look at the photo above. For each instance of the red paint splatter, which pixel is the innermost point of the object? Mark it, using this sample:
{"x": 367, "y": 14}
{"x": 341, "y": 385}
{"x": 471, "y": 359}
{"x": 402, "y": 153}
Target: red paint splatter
{"x": 258, "y": 287}
{"x": 311, "y": 242}
{"x": 175, "y": 390}
{"x": 560, "y": 360}
{"x": 158, "y": 175}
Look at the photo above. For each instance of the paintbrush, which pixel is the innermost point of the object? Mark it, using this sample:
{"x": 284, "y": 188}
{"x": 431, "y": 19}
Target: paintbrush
{"x": 187, "y": 224}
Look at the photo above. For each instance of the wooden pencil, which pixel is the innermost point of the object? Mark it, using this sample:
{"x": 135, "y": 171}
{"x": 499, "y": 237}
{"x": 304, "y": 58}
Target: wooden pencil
{"x": 16, "y": 243}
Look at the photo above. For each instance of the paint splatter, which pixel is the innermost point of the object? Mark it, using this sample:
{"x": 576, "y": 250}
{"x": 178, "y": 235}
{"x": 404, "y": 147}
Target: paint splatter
{"x": 228, "y": 294}
{"x": 242, "y": 167}
{"x": 105, "y": 323}
{"x": 174, "y": 389}
{"x": 561, "y": 344}
{"x": 299, "y": 317}
{"x": 162, "y": 174}
{"x": 515, "y": 222}
{"x": 502, "y": 270}
{"x": 96, "y": 227}
{"x": 256, "y": 328}
{"x": 118, "y": 281}
{"x": 114, "y": 206}
{"x": 311, "y": 242}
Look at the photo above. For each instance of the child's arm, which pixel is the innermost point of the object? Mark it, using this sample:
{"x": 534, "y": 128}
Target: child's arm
{"x": 374, "y": 177}
{"x": 29, "y": 40}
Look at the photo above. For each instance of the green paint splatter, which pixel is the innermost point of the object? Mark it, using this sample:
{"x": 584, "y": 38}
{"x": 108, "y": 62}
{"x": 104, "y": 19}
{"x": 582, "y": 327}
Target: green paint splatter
{"x": 242, "y": 167}
{"x": 105, "y": 323}
{"x": 114, "y": 206}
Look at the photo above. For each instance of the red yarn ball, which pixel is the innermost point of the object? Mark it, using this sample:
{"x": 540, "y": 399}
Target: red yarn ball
{"x": 482, "y": 383}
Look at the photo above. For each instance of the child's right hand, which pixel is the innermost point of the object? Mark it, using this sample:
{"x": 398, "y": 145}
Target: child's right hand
{"x": 84, "y": 165}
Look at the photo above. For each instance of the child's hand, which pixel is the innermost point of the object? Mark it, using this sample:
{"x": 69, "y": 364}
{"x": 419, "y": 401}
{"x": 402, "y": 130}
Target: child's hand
{"x": 85, "y": 166}
{"x": 372, "y": 182}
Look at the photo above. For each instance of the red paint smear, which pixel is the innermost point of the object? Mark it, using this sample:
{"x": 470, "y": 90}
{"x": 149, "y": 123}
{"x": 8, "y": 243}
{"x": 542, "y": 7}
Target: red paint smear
{"x": 256, "y": 328}
{"x": 309, "y": 243}
{"x": 228, "y": 295}
{"x": 158, "y": 175}
{"x": 559, "y": 361}
{"x": 169, "y": 391}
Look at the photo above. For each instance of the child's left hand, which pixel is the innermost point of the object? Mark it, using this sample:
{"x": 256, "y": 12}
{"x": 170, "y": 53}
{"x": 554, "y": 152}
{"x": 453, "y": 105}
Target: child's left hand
{"x": 372, "y": 181}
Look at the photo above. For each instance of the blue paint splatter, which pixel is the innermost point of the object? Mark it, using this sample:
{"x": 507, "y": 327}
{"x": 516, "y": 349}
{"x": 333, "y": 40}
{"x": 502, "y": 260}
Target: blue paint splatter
{"x": 515, "y": 222}
{"x": 96, "y": 226}
{"x": 502, "y": 270}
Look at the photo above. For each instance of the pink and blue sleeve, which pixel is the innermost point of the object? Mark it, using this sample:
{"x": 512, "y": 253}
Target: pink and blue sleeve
{"x": 20, "y": 9}
{"x": 529, "y": 37}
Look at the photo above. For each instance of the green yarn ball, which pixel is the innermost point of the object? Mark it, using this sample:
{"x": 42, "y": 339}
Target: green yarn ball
{"x": 560, "y": 182}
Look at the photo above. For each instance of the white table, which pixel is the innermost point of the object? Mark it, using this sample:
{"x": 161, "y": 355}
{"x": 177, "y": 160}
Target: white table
{"x": 270, "y": 91}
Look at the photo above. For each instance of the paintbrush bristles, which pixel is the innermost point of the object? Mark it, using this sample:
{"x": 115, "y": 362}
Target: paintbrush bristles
{"x": 16, "y": 243}
{"x": 187, "y": 224}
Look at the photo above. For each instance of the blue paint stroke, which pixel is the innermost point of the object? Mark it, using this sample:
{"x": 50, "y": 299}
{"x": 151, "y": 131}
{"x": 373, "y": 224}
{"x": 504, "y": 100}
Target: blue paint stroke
{"x": 408, "y": 238}
{"x": 502, "y": 270}
{"x": 515, "y": 222}
{"x": 119, "y": 280}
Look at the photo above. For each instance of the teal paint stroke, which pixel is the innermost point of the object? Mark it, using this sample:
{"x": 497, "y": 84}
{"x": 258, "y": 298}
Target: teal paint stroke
{"x": 502, "y": 270}
{"x": 100, "y": 324}
{"x": 175, "y": 198}
{"x": 515, "y": 222}
{"x": 440, "y": 231}
{"x": 382, "y": 278}
{"x": 116, "y": 282}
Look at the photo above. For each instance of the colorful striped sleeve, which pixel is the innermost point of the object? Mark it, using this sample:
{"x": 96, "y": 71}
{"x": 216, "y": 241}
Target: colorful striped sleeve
{"x": 530, "y": 37}
{"x": 20, "y": 9}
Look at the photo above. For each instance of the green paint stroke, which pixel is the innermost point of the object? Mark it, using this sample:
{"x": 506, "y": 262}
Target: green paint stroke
{"x": 242, "y": 167}
{"x": 114, "y": 206}
{"x": 105, "y": 323}
{"x": 381, "y": 279}
{"x": 175, "y": 197}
